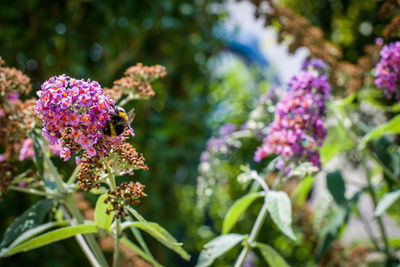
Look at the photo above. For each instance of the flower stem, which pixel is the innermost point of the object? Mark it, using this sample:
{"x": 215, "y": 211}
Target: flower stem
{"x": 81, "y": 241}
{"x": 71, "y": 179}
{"x": 253, "y": 235}
{"x": 116, "y": 242}
{"x": 117, "y": 231}
{"x": 257, "y": 225}
{"x": 375, "y": 202}
{"x": 70, "y": 203}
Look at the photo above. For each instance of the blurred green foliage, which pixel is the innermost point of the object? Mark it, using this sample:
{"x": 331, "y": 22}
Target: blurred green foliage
{"x": 351, "y": 24}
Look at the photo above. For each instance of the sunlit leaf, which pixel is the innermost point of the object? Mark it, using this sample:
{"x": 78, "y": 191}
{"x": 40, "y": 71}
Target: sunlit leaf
{"x": 50, "y": 237}
{"x": 390, "y": 127}
{"x": 271, "y": 256}
{"x": 217, "y": 247}
{"x": 301, "y": 192}
{"x": 280, "y": 210}
{"x": 159, "y": 233}
{"x": 36, "y": 231}
{"x": 386, "y": 201}
{"x": 237, "y": 209}
{"x": 101, "y": 218}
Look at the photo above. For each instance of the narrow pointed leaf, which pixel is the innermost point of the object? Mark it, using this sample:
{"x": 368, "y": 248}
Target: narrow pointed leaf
{"x": 217, "y": 247}
{"x": 36, "y": 231}
{"x": 271, "y": 256}
{"x": 237, "y": 209}
{"x": 51, "y": 237}
{"x": 31, "y": 218}
{"x": 139, "y": 251}
{"x": 390, "y": 127}
{"x": 302, "y": 190}
{"x": 280, "y": 210}
{"x": 336, "y": 186}
{"x": 386, "y": 201}
{"x": 159, "y": 233}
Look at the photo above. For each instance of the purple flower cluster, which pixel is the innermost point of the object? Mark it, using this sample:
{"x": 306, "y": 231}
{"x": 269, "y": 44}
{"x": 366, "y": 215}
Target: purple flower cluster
{"x": 74, "y": 114}
{"x": 315, "y": 63}
{"x": 298, "y": 128}
{"x": 387, "y": 70}
{"x": 217, "y": 143}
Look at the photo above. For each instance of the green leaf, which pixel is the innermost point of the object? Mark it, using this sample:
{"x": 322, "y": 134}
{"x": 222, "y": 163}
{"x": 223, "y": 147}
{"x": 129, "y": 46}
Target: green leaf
{"x": 280, "y": 210}
{"x": 217, "y": 247}
{"x": 271, "y": 256}
{"x": 50, "y": 237}
{"x": 31, "y": 218}
{"x": 301, "y": 192}
{"x": 237, "y": 209}
{"x": 159, "y": 233}
{"x": 139, "y": 251}
{"x": 386, "y": 201}
{"x": 392, "y": 126}
{"x": 331, "y": 146}
{"x": 37, "y": 147}
{"x": 336, "y": 186}
{"x": 36, "y": 231}
{"x": 330, "y": 232}
{"x": 101, "y": 218}
{"x": 342, "y": 103}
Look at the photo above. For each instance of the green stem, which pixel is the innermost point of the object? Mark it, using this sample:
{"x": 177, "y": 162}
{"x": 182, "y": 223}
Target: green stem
{"x": 70, "y": 203}
{"x": 117, "y": 232}
{"x": 368, "y": 230}
{"x": 375, "y": 202}
{"x": 139, "y": 238}
{"x": 253, "y": 235}
{"x": 71, "y": 179}
{"x": 116, "y": 242}
{"x": 31, "y": 191}
{"x": 257, "y": 225}
{"x": 81, "y": 241}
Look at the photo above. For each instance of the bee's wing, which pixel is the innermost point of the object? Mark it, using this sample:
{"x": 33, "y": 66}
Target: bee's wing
{"x": 131, "y": 115}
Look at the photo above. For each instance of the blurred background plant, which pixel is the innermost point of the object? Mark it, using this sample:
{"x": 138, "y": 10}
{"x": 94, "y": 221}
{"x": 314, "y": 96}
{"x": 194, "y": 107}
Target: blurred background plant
{"x": 191, "y": 190}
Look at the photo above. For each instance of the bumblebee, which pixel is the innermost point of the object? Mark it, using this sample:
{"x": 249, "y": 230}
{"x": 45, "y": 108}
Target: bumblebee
{"x": 119, "y": 121}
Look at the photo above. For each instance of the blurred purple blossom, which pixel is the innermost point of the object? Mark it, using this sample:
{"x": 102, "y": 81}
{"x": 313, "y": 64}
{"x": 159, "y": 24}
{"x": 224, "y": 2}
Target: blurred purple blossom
{"x": 26, "y": 151}
{"x": 315, "y": 63}
{"x": 387, "y": 70}
{"x": 298, "y": 128}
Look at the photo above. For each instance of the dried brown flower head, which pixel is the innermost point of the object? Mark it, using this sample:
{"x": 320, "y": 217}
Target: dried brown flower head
{"x": 16, "y": 120}
{"x": 124, "y": 195}
{"x": 88, "y": 174}
{"x": 147, "y": 73}
{"x": 136, "y": 82}
{"x": 13, "y": 81}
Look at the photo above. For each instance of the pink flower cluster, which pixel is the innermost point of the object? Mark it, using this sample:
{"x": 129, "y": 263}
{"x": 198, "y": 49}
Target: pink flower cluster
{"x": 26, "y": 151}
{"x": 387, "y": 70}
{"x": 74, "y": 114}
{"x": 298, "y": 128}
